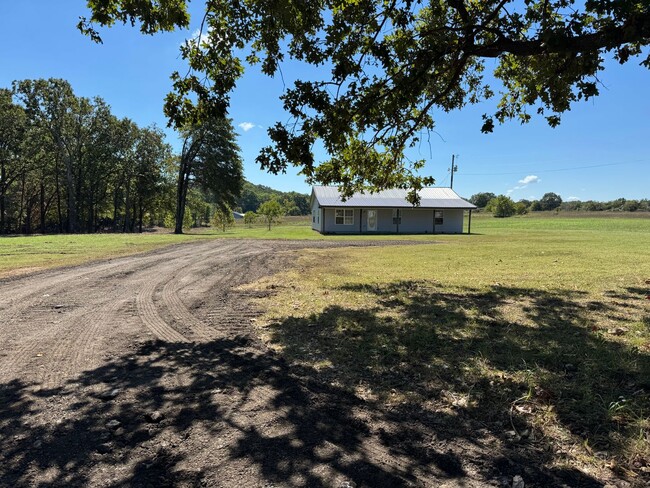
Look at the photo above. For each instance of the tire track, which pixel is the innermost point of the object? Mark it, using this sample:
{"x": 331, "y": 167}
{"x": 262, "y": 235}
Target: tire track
{"x": 62, "y": 343}
{"x": 175, "y": 306}
{"x": 149, "y": 312}
{"x": 181, "y": 313}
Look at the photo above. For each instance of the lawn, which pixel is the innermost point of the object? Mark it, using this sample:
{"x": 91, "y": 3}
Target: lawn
{"x": 21, "y": 254}
{"x": 536, "y": 328}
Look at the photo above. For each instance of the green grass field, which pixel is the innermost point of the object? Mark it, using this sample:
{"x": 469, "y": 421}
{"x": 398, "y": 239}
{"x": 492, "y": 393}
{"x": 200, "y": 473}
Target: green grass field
{"x": 22, "y": 254}
{"x": 537, "y": 327}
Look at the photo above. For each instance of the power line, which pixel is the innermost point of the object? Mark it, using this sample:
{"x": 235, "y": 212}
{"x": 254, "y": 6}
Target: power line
{"x": 558, "y": 169}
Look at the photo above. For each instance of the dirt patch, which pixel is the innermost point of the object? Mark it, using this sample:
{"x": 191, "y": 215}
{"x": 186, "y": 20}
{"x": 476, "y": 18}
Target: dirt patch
{"x": 145, "y": 371}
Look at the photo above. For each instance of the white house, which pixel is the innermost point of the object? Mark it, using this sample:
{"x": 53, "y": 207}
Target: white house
{"x": 441, "y": 211}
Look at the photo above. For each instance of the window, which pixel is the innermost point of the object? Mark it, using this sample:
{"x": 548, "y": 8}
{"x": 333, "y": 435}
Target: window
{"x": 345, "y": 216}
{"x": 437, "y": 217}
{"x": 397, "y": 219}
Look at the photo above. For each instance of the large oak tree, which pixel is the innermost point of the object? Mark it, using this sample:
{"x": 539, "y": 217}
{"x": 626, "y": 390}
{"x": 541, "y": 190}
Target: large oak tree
{"x": 210, "y": 161}
{"x": 386, "y": 64}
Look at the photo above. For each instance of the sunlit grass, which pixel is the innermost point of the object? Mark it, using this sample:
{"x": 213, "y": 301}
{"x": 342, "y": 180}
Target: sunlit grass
{"x": 31, "y": 253}
{"x": 538, "y": 327}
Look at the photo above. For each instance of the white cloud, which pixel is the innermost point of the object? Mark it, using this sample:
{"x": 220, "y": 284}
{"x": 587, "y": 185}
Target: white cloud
{"x": 203, "y": 38}
{"x": 246, "y": 126}
{"x": 573, "y": 199}
{"x": 524, "y": 182}
{"x": 529, "y": 179}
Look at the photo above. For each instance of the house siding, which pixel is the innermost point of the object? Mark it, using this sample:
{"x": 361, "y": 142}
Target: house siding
{"x": 413, "y": 221}
{"x": 330, "y": 226}
{"x": 416, "y": 221}
{"x": 316, "y": 216}
{"x": 452, "y": 221}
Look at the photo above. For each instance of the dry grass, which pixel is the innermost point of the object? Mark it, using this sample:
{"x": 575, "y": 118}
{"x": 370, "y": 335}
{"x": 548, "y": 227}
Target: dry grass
{"x": 537, "y": 329}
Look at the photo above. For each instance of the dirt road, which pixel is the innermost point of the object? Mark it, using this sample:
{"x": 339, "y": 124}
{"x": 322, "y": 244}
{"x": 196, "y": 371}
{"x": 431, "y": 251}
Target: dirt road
{"x": 145, "y": 371}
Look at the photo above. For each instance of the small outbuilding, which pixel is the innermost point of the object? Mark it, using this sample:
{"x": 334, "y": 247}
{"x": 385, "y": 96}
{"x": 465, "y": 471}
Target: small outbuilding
{"x": 441, "y": 211}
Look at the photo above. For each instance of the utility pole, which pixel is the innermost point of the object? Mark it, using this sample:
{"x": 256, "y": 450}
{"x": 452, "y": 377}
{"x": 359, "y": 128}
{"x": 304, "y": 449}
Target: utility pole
{"x": 454, "y": 168}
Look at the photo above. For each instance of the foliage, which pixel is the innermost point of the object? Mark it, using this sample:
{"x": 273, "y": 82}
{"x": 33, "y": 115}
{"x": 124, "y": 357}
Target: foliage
{"x": 481, "y": 199}
{"x": 521, "y": 208}
{"x": 254, "y": 195}
{"x": 249, "y": 218}
{"x": 618, "y": 205}
{"x": 68, "y": 164}
{"x": 271, "y": 211}
{"x": 501, "y": 206}
{"x": 386, "y": 67}
{"x": 209, "y": 161}
{"x": 223, "y": 219}
{"x": 550, "y": 201}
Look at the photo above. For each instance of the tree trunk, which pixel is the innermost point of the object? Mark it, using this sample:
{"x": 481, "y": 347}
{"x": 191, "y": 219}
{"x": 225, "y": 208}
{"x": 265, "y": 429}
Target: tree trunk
{"x": 58, "y": 196}
{"x": 115, "y": 198}
{"x": 28, "y": 216}
{"x": 3, "y": 189}
{"x": 22, "y": 203}
{"x": 140, "y": 215}
{"x": 90, "y": 221}
{"x": 42, "y": 207}
{"x": 127, "y": 207}
{"x": 181, "y": 197}
{"x": 70, "y": 187}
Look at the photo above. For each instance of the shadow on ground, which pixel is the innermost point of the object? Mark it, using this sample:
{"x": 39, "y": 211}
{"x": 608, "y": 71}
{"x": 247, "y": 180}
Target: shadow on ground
{"x": 553, "y": 375}
{"x": 458, "y": 386}
{"x": 223, "y": 413}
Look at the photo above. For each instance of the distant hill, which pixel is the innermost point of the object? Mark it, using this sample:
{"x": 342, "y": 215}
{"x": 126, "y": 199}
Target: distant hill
{"x": 254, "y": 195}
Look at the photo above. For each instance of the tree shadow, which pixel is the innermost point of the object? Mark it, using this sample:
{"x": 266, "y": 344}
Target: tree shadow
{"x": 221, "y": 413}
{"x": 428, "y": 387}
{"x": 530, "y": 368}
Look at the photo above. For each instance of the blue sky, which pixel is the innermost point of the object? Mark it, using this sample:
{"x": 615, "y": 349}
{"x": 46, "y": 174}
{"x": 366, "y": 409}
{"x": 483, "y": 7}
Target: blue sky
{"x": 601, "y": 151}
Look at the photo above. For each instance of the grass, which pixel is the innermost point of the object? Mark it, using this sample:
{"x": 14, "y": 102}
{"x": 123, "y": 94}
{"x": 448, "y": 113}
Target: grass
{"x": 538, "y": 328}
{"x": 23, "y": 254}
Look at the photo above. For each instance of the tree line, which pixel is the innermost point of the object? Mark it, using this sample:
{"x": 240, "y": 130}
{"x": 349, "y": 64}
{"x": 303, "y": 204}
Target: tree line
{"x": 67, "y": 164}
{"x": 504, "y": 206}
{"x": 252, "y": 196}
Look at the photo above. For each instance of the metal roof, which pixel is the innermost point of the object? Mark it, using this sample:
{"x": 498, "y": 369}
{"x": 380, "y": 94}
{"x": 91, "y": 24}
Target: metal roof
{"x": 329, "y": 196}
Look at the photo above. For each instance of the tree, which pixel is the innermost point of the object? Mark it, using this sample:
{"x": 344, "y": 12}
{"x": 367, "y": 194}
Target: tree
{"x": 55, "y": 111}
{"x": 223, "y": 219}
{"x": 550, "y": 201}
{"x": 390, "y": 66}
{"x": 501, "y": 206}
{"x": 250, "y": 218}
{"x": 12, "y": 133}
{"x": 271, "y": 211}
{"x": 210, "y": 159}
{"x": 481, "y": 199}
{"x": 249, "y": 200}
{"x": 521, "y": 208}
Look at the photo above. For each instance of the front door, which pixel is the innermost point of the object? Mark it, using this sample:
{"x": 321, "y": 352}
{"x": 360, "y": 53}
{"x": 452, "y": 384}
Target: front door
{"x": 372, "y": 220}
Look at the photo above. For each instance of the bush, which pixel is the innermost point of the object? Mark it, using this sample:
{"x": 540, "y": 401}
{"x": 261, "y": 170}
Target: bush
{"x": 249, "y": 218}
{"x": 502, "y": 206}
{"x": 223, "y": 219}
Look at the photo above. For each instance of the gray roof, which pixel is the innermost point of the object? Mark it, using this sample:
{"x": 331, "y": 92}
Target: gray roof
{"x": 329, "y": 196}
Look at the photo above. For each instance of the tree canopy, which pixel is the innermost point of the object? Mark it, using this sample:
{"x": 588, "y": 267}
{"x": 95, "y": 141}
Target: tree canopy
{"x": 209, "y": 160}
{"x": 386, "y": 66}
